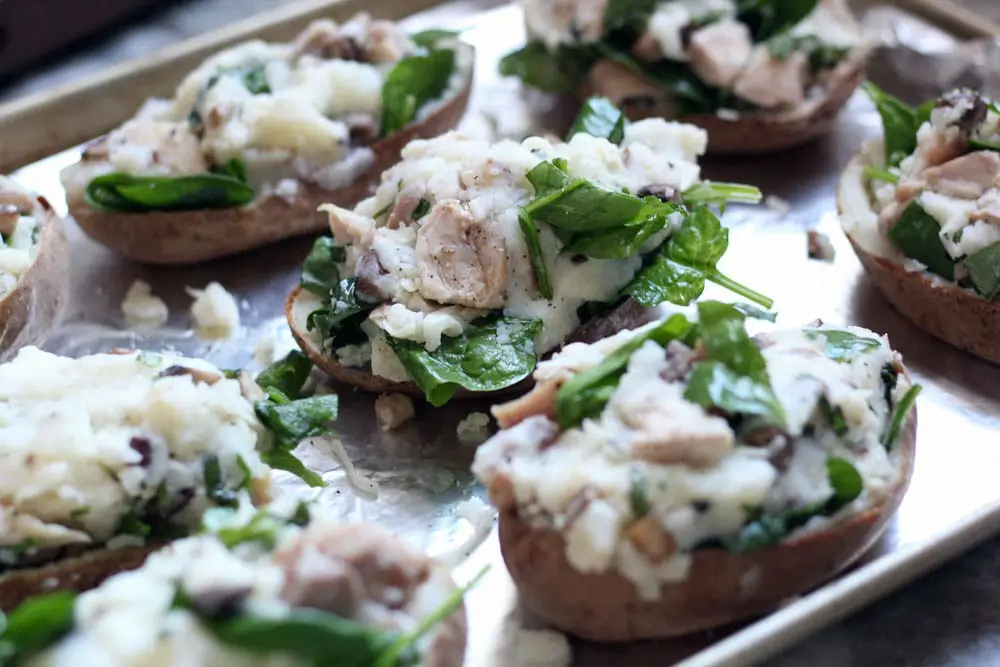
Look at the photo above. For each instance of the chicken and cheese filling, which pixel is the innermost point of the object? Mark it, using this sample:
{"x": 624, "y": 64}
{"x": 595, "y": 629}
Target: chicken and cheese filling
{"x": 715, "y": 54}
{"x": 936, "y": 187}
{"x": 22, "y": 219}
{"x": 500, "y": 245}
{"x": 679, "y": 436}
{"x": 258, "y": 592}
{"x": 111, "y": 449}
{"x": 275, "y": 114}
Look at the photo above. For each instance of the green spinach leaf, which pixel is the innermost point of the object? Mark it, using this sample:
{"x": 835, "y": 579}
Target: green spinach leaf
{"x": 413, "y": 82}
{"x": 918, "y": 235}
{"x": 846, "y": 481}
{"x": 559, "y": 71}
{"x": 429, "y": 38}
{"x": 834, "y": 416}
{"x": 287, "y": 375}
{"x": 821, "y": 55}
{"x": 666, "y": 281}
{"x": 344, "y": 309}
{"x": 319, "y": 270}
{"x": 255, "y": 80}
{"x": 879, "y": 174}
{"x": 215, "y": 487}
{"x": 634, "y": 14}
{"x": 638, "y": 495}
{"x": 984, "y": 270}
{"x": 578, "y": 205}
{"x": 35, "y": 625}
{"x": 767, "y": 18}
{"x": 898, "y": 417}
{"x": 125, "y": 193}
{"x": 598, "y": 117}
{"x": 261, "y": 526}
{"x": 291, "y": 422}
{"x": 535, "y": 253}
{"x": 492, "y": 354}
{"x": 900, "y": 123}
{"x": 842, "y": 346}
{"x": 711, "y": 192}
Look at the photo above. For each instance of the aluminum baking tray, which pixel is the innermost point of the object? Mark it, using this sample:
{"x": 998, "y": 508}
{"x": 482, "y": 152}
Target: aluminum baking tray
{"x": 416, "y": 479}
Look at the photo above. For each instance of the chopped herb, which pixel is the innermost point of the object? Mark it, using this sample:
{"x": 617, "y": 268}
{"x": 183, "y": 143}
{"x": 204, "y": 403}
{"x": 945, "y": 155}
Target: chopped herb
{"x": 918, "y": 235}
{"x": 534, "y": 242}
{"x": 132, "y": 524}
{"x": 638, "y": 495}
{"x": 900, "y": 123}
{"x": 889, "y": 376}
{"x": 833, "y": 416}
{"x": 898, "y": 417}
{"x": 879, "y": 174}
{"x": 34, "y": 625}
{"x": 215, "y": 487}
{"x": 598, "y": 117}
{"x": 287, "y": 375}
{"x": 842, "y": 346}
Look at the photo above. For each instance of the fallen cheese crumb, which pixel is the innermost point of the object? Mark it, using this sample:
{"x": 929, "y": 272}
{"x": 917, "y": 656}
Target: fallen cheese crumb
{"x": 820, "y": 247}
{"x": 142, "y": 308}
{"x": 274, "y": 347}
{"x": 393, "y": 410}
{"x": 538, "y": 648}
{"x": 777, "y": 205}
{"x": 215, "y": 312}
{"x": 474, "y": 429}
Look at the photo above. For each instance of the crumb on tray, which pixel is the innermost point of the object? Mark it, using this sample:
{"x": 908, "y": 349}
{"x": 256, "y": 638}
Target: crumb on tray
{"x": 820, "y": 247}
{"x": 393, "y": 410}
{"x": 777, "y": 205}
{"x": 474, "y": 429}
{"x": 546, "y": 648}
{"x": 142, "y": 308}
{"x": 215, "y": 312}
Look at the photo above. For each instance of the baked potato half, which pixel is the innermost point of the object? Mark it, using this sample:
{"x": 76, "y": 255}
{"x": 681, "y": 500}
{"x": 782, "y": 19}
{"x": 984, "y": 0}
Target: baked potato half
{"x": 684, "y": 475}
{"x": 758, "y": 78}
{"x": 261, "y": 134}
{"x": 922, "y": 212}
{"x": 34, "y": 268}
{"x": 114, "y": 454}
{"x": 333, "y": 592}
{"x": 475, "y": 259}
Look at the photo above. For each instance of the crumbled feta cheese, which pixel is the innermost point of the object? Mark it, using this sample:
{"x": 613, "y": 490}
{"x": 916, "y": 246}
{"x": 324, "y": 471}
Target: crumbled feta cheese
{"x": 215, "y": 312}
{"x": 393, "y": 410}
{"x": 142, "y": 308}
{"x": 474, "y": 428}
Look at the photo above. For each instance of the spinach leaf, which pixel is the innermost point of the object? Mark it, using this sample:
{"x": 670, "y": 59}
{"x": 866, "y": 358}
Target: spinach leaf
{"x": 344, "y": 309}
{"x": 429, "y": 38}
{"x": 586, "y": 393}
{"x": 846, "y": 481}
{"x": 833, "y": 416}
{"x": 215, "y": 488}
{"x": 255, "y": 80}
{"x": 638, "y": 495}
{"x": 125, "y": 193}
{"x": 767, "y": 18}
{"x": 711, "y": 192}
{"x": 132, "y": 524}
{"x": 620, "y": 243}
{"x": 889, "y": 376}
{"x": 234, "y": 169}
{"x": 492, "y": 354}
{"x": 666, "y": 281}
{"x": 821, "y": 55}
{"x": 984, "y": 270}
{"x": 722, "y": 330}
{"x": 35, "y": 625}
{"x": 319, "y": 271}
{"x": 534, "y": 243}
{"x": 559, "y": 71}
{"x": 900, "y": 123}
{"x": 918, "y": 235}
{"x": 633, "y": 14}
{"x": 878, "y": 174}
{"x": 412, "y": 83}
{"x": 422, "y": 209}
{"x": 599, "y": 117}
{"x": 577, "y": 205}
{"x": 287, "y": 375}
{"x": 291, "y": 422}
{"x": 261, "y": 526}
{"x": 842, "y": 346}
{"x": 898, "y": 418}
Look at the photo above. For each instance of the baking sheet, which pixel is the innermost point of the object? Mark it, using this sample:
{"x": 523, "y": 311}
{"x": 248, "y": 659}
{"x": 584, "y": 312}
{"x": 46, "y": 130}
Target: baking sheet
{"x": 420, "y": 473}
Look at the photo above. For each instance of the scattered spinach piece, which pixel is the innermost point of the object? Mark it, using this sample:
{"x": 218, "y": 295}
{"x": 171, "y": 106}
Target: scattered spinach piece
{"x": 599, "y": 117}
{"x": 150, "y": 359}
{"x": 879, "y": 174}
{"x": 261, "y": 526}
{"x": 215, "y": 487}
{"x": 842, "y": 346}
{"x": 626, "y": 241}
{"x": 638, "y": 494}
{"x": 767, "y": 18}
{"x": 132, "y": 524}
{"x": 984, "y": 270}
{"x": 889, "y": 376}
{"x": 287, "y": 375}
{"x": 492, "y": 354}
{"x": 291, "y": 422}
{"x": 979, "y": 145}
{"x": 255, "y": 80}
{"x": 898, "y": 417}
{"x": 534, "y": 242}
{"x": 429, "y": 38}
{"x": 34, "y": 625}
{"x": 711, "y": 192}
{"x": 918, "y": 235}
{"x": 125, "y": 193}
{"x": 833, "y": 416}
{"x": 343, "y": 309}
{"x": 900, "y": 123}
{"x": 586, "y": 393}
{"x": 846, "y": 481}
{"x": 319, "y": 271}
{"x": 632, "y": 14}
{"x": 422, "y": 209}
{"x": 413, "y": 82}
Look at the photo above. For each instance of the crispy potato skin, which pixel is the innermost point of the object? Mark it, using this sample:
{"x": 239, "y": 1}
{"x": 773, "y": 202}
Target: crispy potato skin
{"x": 629, "y": 315}
{"x": 748, "y": 133}
{"x": 32, "y": 309}
{"x": 955, "y": 315}
{"x": 720, "y": 588}
{"x": 189, "y": 237}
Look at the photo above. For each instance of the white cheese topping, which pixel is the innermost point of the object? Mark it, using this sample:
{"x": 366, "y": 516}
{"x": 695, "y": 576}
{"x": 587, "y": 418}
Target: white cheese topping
{"x": 700, "y": 479}
{"x": 142, "y": 308}
{"x": 22, "y": 218}
{"x": 214, "y": 311}
{"x": 84, "y": 442}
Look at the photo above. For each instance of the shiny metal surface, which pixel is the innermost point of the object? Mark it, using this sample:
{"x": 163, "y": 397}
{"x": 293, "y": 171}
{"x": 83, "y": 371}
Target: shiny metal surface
{"x": 421, "y": 471}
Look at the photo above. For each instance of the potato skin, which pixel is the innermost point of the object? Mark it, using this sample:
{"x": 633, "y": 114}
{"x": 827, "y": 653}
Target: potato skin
{"x": 33, "y": 307}
{"x": 748, "y": 133}
{"x": 951, "y": 313}
{"x": 720, "y": 588}
{"x": 189, "y": 237}
{"x": 297, "y": 308}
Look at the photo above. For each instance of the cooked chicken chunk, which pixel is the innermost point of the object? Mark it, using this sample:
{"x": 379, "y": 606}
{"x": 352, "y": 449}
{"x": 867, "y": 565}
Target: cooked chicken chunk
{"x": 541, "y": 400}
{"x": 771, "y": 83}
{"x": 719, "y": 52}
{"x": 988, "y": 208}
{"x": 461, "y": 260}
{"x": 174, "y": 147}
{"x": 966, "y": 177}
{"x": 348, "y": 227}
{"x": 676, "y": 433}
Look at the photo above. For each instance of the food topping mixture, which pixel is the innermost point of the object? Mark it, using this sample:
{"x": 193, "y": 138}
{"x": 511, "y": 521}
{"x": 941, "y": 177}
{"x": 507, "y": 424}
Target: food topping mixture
{"x": 261, "y": 588}
{"x": 685, "y": 435}
{"x": 474, "y": 258}
{"x": 710, "y": 55}
{"x": 22, "y": 219}
{"x": 936, "y": 187}
{"x": 112, "y": 449}
{"x": 258, "y": 117}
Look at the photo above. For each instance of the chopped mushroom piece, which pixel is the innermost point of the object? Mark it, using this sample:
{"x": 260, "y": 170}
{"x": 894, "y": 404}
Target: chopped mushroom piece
{"x": 541, "y": 400}
{"x": 820, "y": 247}
{"x": 676, "y": 433}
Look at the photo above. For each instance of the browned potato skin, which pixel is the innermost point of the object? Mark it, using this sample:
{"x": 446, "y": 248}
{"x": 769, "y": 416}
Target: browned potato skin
{"x": 606, "y": 607}
{"x": 750, "y": 133}
{"x": 955, "y": 315}
{"x": 629, "y": 315}
{"x": 27, "y": 313}
{"x": 189, "y": 237}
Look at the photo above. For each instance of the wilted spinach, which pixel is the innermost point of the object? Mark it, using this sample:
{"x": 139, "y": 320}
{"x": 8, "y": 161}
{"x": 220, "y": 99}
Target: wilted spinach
{"x": 127, "y": 193}
{"x": 599, "y": 117}
{"x": 413, "y": 82}
{"x": 918, "y": 235}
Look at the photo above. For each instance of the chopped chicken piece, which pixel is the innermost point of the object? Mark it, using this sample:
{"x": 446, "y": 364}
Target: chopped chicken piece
{"x": 406, "y": 204}
{"x": 541, "y": 400}
{"x": 174, "y": 147}
{"x": 461, "y": 260}
{"x": 393, "y": 410}
{"x": 820, "y": 247}
{"x": 348, "y": 227}
{"x": 772, "y": 83}
{"x": 719, "y": 51}
{"x": 676, "y": 433}
{"x": 966, "y": 177}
